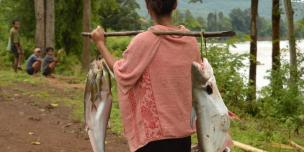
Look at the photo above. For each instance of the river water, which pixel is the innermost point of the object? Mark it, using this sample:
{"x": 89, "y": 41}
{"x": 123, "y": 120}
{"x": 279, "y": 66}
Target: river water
{"x": 263, "y": 57}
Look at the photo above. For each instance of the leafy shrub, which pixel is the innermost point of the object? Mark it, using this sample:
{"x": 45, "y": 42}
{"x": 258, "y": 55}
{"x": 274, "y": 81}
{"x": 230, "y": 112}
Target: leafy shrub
{"x": 284, "y": 103}
{"x": 229, "y": 80}
{"x": 118, "y": 44}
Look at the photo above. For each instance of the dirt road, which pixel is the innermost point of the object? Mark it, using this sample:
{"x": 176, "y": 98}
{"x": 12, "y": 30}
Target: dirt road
{"x": 29, "y": 124}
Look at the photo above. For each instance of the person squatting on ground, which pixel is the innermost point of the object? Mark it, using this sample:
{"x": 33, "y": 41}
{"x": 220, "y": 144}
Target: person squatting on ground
{"x": 15, "y": 45}
{"x": 33, "y": 64}
{"x": 154, "y": 83}
{"x": 49, "y": 62}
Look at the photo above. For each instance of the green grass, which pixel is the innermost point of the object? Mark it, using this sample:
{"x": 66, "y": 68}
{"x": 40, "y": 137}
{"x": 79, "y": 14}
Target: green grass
{"x": 262, "y": 133}
{"x": 115, "y": 119}
{"x": 8, "y": 77}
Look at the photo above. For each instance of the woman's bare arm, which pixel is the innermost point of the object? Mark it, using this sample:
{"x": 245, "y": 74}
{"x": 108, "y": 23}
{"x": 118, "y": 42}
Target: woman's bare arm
{"x": 99, "y": 39}
{"x": 110, "y": 59}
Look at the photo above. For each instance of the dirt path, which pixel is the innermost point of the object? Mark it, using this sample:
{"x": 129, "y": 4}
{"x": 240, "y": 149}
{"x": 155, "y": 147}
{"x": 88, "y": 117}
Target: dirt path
{"x": 28, "y": 125}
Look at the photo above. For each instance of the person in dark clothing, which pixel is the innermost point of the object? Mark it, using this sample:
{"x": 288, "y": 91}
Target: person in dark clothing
{"x": 49, "y": 62}
{"x": 33, "y": 64}
{"x": 15, "y": 45}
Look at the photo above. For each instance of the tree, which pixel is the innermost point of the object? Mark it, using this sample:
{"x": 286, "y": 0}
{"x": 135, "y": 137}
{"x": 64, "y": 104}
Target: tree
{"x": 253, "y": 49}
{"x": 202, "y": 22}
{"x": 118, "y": 14}
{"x": 45, "y": 23}
{"x": 68, "y": 26}
{"x": 223, "y": 23}
{"x": 40, "y": 23}
{"x": 86, "y": 27}
{"x": 276, "y": 19}
{"x": 212, "y": 22}
{"x": 292, "y": 41}
{"x": 190, "y": 22}
{"x": 240, "y": 20}
{"x": 50, "y": 24}
{"x": 178, "y": 17}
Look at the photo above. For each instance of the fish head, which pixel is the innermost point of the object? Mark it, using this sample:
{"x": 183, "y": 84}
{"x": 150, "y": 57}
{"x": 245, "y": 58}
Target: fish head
{"x": 200, "y": 75}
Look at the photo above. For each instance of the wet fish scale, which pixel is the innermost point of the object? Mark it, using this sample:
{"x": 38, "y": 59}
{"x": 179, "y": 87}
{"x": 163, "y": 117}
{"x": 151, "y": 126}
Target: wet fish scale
{"x": 97, "y": 104}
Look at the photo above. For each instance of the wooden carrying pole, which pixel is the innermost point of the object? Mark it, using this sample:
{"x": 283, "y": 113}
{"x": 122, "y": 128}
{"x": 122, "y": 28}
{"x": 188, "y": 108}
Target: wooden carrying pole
{"x": 176, "y": 33}
{"x": 247, "y": 148}
{"x": 296, "y": 146}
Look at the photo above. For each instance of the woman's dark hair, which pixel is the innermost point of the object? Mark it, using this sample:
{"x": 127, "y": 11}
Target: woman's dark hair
{"x": 161, "y": 7}
{"x": 48, "y": 49}
{"x": 14, "y": 21}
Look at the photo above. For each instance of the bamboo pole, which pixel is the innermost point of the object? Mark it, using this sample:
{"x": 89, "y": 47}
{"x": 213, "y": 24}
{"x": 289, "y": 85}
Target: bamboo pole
{"x": 247, "y": 148}
{"x": 296, "y": 146}
{"x": 281, "y": 146}
{"x": 177, "y": 33}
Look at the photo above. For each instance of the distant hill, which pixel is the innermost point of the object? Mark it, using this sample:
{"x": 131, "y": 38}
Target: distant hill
{"x": 226, "y": 6}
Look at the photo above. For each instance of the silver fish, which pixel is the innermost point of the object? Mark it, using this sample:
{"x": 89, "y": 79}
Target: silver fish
{"x": 97, "y": 103}
{"x": 209, "y": 110}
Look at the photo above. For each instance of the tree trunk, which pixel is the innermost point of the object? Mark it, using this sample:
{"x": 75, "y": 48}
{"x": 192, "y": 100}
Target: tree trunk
{"x": 40, "y": 23}
{"x": 86, "y": 40}
{"x": 253, "y": 50}
{"x": 50, "y": 24}
{"x": 276, "y": 64}
{"x": 292, "y": 42}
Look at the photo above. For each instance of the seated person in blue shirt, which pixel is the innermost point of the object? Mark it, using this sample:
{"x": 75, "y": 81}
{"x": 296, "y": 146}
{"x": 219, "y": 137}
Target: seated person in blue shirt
{"x": 33, "y": 64}
{"x": 49, "y": 62}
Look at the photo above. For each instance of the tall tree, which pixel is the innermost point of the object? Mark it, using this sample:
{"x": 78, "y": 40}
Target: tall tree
{"x": 50, "y": 23}
{"x": 86, "y": 27}
{"x": 112, "y": 13}
{"x": 276, "y": 19}
{"x": 292, "y": 41}
{"x": 40, "y": 23}
{"x": 69, "y": 26}
{"x": 253, "y": 49}
{"x": 240, "y": 20}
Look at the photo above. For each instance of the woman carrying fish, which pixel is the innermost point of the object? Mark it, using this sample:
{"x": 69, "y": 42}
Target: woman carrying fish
{"x": 154, "y": 81}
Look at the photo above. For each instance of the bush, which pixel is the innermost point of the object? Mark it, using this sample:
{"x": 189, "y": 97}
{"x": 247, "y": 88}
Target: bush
{"x": 118, "y": 45}
{"x": 229, "y": 80}
{"x": 284, "y": 103}
{"x": 69, "y": 65}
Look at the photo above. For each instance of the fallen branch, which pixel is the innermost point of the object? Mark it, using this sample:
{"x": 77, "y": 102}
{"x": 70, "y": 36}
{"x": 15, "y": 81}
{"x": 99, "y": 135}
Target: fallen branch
{"x": 177, "y": 33}
{"x": 296, "y": 146}
{"x": 281, "y": 146}
{"x": 247, "y": 148}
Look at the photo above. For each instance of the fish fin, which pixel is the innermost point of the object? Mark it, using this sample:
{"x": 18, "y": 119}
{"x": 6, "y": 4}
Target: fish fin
{"x": 193, "y": 118}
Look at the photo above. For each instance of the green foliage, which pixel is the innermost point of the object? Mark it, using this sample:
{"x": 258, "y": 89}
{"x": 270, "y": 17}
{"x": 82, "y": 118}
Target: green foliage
{"x": 118, "y": 45}
{"x": 218, "y": 22}
{"x": 240, "y": 20}
{"x": 230, "y": 82}
{"x": 69, "y": 26}
{"x": 9, "y": 11}
{"x": 21, "y": 10}
{"x": 284, "y": 103}
{"x": 299, "y": 28}
{"x": 188, "y": 20}
{"x": 117, "y": 14}
{"x": 69, "y": 65}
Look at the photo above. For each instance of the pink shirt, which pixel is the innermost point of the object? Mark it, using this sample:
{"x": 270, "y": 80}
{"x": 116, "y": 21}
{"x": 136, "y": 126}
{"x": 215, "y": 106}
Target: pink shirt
{"x": 154, "y": 81}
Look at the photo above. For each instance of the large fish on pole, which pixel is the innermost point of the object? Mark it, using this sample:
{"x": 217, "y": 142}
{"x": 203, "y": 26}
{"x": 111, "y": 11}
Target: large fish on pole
{"x": 209, "y": 110}
{"x": 97, "y": 103}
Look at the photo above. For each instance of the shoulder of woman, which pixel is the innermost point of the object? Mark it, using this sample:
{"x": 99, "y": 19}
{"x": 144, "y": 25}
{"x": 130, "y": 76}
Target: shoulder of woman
{"x": 146, "y": 36}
